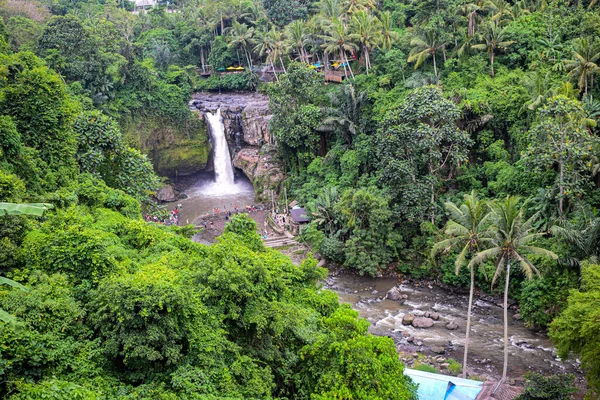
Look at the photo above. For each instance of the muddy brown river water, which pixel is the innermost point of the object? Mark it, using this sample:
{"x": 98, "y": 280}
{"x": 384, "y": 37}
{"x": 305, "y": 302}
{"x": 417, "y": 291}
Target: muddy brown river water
{"x": 528, "y": 350}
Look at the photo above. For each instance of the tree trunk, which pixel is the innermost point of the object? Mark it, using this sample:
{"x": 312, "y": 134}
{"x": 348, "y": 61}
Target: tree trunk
{"x": 349, "y": 67}
{"x": 505, "y": 366}
{"x": 437, "y": 80}
{"x": 274, "y": 72}
{"x": 492, "y": 60}
{"x": 432, "y": 202}
{"x": 561, "y": 188}
{"x": 282, "y": 65}
{"x": 471, "y": 290}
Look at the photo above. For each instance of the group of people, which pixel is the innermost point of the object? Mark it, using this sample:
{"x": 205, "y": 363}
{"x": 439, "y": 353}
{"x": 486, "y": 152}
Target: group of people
{"x": 171, "y": 219}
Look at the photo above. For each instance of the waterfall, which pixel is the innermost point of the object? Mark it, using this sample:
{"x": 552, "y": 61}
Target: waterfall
{"x": 221, "y": 155}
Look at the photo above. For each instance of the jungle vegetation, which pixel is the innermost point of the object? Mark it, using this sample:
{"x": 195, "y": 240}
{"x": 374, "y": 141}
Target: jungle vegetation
{"x": 448, "y": 107}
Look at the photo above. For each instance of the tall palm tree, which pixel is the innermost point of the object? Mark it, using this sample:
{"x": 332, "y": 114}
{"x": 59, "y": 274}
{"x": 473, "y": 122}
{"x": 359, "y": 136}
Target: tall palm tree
{"x": 491, "y": 41}
{"x": 241, "y": 36}
{"x": 340, "y": 40}
{"x": 425, "y": 46}
{"x": 511, "y": 240}
{"x": 499, "y": 11}
{"x": 297, "y": 36}
{"x": 345, "y": 111}
{"x": 263, "y": 46}
{"x": 368, "y": 31}
{"x": 330, "y": 10}
{"x": 584, "y": 64}
{"x": 388, "y": 34}
{"x": 468, "y": 228}
{"x": 473, "y": 12}
{"x": 278, "y": 47}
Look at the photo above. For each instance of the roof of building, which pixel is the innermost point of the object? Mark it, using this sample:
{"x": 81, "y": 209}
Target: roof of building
{"x": 143, "y": 3}
{"x": 299, "y": 215}
{"x": 444, "y": 387}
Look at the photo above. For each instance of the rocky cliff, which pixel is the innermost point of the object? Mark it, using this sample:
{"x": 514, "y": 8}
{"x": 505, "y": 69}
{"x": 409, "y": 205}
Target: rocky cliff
{"x": 246, "y": 118}
{"x": 174, "y": 150}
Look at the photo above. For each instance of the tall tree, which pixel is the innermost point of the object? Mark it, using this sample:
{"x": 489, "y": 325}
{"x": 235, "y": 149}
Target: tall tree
{"x": 419, "y": 146}
{"x": 388, "y": 35}
{"x": 492, "y": 41}
{"x": 339, "y": 40}
{"x": 297, "y": 37}
{"x": 468, "y": 228}
{"x": 510, "y": 242}
{"x": 368, "y": 31}
{"x": 241, "y": 36}
{"x": 584, "y": 64}
{"x": 425, "y": 46}
{"x": 560, "y": 139}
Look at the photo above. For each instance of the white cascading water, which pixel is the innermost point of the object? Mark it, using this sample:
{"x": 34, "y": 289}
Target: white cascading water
{"x": 222, "y": 157}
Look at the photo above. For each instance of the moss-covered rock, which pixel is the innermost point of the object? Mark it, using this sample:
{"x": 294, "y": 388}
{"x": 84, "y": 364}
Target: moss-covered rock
{"x": 184, "y": 158}
{"x": 181, "y": 149}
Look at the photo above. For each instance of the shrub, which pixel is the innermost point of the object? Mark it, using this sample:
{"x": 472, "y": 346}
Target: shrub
{"x": 555, "y": 387}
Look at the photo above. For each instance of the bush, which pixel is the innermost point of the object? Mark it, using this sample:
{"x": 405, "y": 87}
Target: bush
{"x": 555, "y": 387}
{"x": 229, "y": 82}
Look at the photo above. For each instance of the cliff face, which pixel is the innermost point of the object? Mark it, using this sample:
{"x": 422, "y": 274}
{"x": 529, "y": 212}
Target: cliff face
{"x": 174, "y": 151}
{"x": 246, "y": 118}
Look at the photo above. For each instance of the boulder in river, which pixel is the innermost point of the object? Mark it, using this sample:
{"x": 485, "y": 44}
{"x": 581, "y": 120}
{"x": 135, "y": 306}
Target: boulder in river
{"x": 394, "y": 293}
{"x": 422, "y": 322}
{"x": 166, "y": 193}
{"x": 451, "y": 326}
{"x": 438, "y": 349}
{"x": 517, "y": 317}
{"x": 407, "y": 319}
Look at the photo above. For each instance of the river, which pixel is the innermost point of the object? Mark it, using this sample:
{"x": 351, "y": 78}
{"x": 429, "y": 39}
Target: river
{"x": 528, "y": 350}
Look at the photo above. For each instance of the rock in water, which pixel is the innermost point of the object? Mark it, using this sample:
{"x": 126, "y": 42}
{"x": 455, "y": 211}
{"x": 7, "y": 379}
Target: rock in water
{"x": 422, "y": 322}
{"x": 394, "y": 293}
{"x": 166, "y": 193}
{"x": 407, "y": 319}
{"x": 438, "y": 349}
{"x": 434, "y": 316}
{"x": 451, "y": 326}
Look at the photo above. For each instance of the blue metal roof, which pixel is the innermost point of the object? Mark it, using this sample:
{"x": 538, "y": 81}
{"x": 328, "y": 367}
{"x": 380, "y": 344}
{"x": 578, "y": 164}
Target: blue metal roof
{"x": 443, "y": 387}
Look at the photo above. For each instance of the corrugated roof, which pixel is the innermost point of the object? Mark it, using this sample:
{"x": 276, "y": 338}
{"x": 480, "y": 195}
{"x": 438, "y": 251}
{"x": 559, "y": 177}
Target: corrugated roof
{"x": 299, "y": 215}
{"x": 443, "y": 387}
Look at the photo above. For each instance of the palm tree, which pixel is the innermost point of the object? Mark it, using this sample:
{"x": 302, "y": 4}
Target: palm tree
{"x": 278, "y": 47}
{"x": 388, "y": 35}
{"x": 473, "y": 13}
{"x": 426, "y": 46}
{"x": 538, "y": 86}
{"x": 297, "y": 37}
{"x": 368, "y": 31}
{"x": 493, "y": 40}
{"x": 352, "y": 6}
{"x": 339, "y": 40}
{"x": 583, "y": 66}
{"x": 241, "y": 36}
{"x": 468, "y": 228}
{"x": 330, "y": 10}
{"x": 511, "y": 239}
{"x": 264, "y": 46}
{"x": 498, "y": 9}
{"x": 322, "y": 210}
{"x": 345, "y": 111}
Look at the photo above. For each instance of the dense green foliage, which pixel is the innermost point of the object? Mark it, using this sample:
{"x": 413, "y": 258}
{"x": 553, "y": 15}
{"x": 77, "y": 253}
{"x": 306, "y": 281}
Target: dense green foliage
{"x": 440, "y": 99}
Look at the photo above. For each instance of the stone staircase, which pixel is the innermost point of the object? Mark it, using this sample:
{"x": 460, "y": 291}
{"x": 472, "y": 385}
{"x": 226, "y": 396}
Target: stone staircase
{"x": 279, "y": 241}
